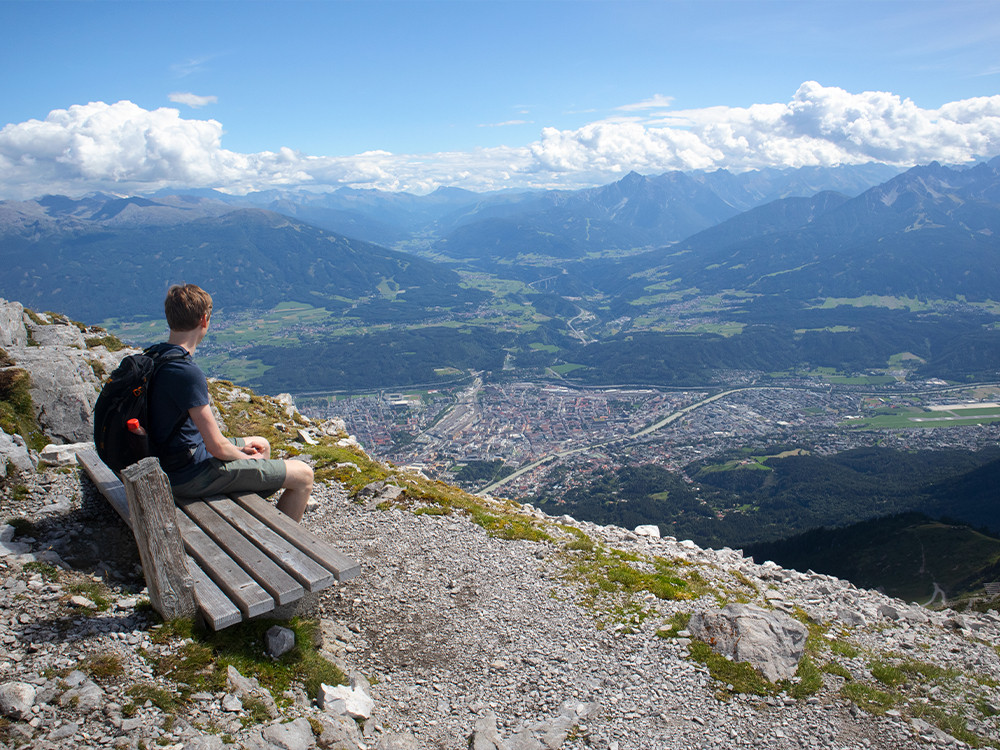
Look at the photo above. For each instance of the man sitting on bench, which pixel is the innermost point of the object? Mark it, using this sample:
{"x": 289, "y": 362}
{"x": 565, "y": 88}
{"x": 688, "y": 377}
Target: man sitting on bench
{"x": 184, "y": 435}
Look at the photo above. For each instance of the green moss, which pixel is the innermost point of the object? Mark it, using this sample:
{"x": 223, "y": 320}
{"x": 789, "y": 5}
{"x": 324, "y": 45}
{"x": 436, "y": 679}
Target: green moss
{"x": 256, "y": 711}
{"x": 109, "y": 341}
{"x": 96, "y": 592}
{"x": 510, "y": 527}
{"x": 736, "y": 677}
{"x": 45, "y": 570}
{"x": 954, "y": 724}
{"x": 809, "y": 680}
{"x": 17, "y": 412}
{"x": 678, "y": 622}
{"x": 202, "y": 664}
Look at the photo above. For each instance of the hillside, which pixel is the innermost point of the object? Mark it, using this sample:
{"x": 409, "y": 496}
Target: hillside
{"x": 910, "y": 556}
{"x": 476, "y": 621}
{"x": 92, "y": 267}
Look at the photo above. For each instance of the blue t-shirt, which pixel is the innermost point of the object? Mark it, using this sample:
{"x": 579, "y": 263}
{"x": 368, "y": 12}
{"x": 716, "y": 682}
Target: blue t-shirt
{"x": 179, "y": 385}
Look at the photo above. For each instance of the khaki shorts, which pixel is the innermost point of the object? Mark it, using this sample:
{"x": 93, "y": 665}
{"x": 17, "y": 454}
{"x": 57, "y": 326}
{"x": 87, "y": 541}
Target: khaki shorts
{"x": 262, "y": 476}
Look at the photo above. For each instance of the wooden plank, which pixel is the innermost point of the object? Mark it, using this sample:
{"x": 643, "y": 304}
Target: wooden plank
{"x": 241, "y": 589}
{"x": 325, "y": 554}
{"x": 219, "y": 612}
{"x": 300, "y": 566}
{"x": 161, "y": 550}
{"x": 106, "y": 481}
{"x": 251, "y": 558}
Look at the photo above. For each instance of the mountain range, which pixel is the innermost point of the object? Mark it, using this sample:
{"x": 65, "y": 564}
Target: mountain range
{"x": 733, "y": 258}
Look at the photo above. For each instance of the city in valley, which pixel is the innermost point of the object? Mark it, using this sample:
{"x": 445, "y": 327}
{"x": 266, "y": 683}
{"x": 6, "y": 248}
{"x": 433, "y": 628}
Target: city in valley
{"x": 527, "y": 437}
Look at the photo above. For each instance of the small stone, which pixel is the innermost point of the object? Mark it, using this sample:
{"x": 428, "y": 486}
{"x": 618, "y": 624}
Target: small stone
{"x": 356, "y": 703}
{"x": 279, "y": 641}
{"x": 295, "y": 735}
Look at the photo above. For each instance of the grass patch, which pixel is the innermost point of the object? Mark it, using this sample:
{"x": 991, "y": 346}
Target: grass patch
{"x": 809, "y": 679}
{"x": 17, "y": 414}
{"x": 736, "y": 677}
{"x": 840, "y": 670}
{"x": 952, "y": 723}
{"x": 165, "y": 700}
{"x": 678, "y": 622}
{"x": 869, "y": 698}
{"x": 509, "y": 527}
{"x": 202, "y": 663}
{"x": 109, "y": 341}
{"x": 96, "y": 592}
{"x": 842, "y": 648}
{"x": 48, "y": 572}
{"x": 102, "y": 667}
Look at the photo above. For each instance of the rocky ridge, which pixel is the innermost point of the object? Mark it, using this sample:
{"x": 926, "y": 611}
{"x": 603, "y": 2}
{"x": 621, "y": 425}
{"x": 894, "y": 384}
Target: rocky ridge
{"x": 494, "y": 627}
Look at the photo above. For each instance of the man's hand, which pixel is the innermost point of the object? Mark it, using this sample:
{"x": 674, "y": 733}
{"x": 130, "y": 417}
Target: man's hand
{"x": 256, "y": 447}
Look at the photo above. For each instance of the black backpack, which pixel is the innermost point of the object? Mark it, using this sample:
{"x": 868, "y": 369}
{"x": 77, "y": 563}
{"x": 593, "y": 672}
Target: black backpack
{"x": 124, "y": 397}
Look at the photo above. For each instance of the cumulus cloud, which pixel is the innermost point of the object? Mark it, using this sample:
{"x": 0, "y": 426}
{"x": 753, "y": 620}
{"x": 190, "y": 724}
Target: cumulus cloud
{"x": 192, "y": 100}
{"x": 123, "y": 147}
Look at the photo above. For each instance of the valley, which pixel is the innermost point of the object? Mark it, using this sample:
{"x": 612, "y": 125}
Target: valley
{"x": 738, "y": 358}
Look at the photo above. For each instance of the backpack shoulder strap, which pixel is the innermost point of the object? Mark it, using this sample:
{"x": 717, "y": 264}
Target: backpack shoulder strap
{"x": 160, "y": 359}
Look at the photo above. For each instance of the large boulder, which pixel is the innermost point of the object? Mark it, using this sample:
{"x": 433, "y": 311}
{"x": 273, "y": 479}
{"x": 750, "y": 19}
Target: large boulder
{"x": 66, "y": 375}
{"x": 771, "y": 642}
{"x": 13, "y": 334}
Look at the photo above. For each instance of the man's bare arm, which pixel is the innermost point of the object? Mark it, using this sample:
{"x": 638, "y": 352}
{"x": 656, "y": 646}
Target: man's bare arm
{"x": 215, "y": 441}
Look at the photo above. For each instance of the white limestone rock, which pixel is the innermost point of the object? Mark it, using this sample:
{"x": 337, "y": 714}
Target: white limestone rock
{"x": 14, "y": 451}
{"x": 63, "y": 455}
{"x": 345, "y": 701}
{"x": 648, "y": 530}
{"x": 771, "y": 642}
{"x": 16, "y": 700}
{"x": 13, "y": 334}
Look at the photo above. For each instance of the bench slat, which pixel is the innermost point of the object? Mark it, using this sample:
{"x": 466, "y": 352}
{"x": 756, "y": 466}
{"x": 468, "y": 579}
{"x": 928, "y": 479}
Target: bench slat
{"x": 252, "y": 559}
{"x": 336, "y": 561}
{"x": 244, "y": 591}
{"x": 300, "y": 566}
{"x": 219, "y": 612}
{"x": 106, "y": 481}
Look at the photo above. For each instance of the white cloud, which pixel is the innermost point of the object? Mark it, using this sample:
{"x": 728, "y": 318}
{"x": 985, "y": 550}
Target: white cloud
{"x": 658, "y": 101}
{"x": 192, "y": 100}
{"x": 125, "y": 148}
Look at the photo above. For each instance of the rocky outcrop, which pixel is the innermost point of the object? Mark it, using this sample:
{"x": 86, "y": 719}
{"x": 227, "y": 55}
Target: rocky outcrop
{"x": 66, "y": 374}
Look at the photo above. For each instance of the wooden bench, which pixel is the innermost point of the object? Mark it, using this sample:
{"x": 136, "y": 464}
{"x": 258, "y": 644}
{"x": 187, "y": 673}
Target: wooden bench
{"x": 239, "y": 556}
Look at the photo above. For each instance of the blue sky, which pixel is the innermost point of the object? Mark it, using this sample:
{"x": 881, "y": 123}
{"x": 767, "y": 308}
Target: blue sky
{"x": 410, "y": 95}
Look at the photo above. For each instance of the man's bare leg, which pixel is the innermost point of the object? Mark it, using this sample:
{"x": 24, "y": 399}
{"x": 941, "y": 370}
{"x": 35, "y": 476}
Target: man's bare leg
{"x": 298, "y": 487}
